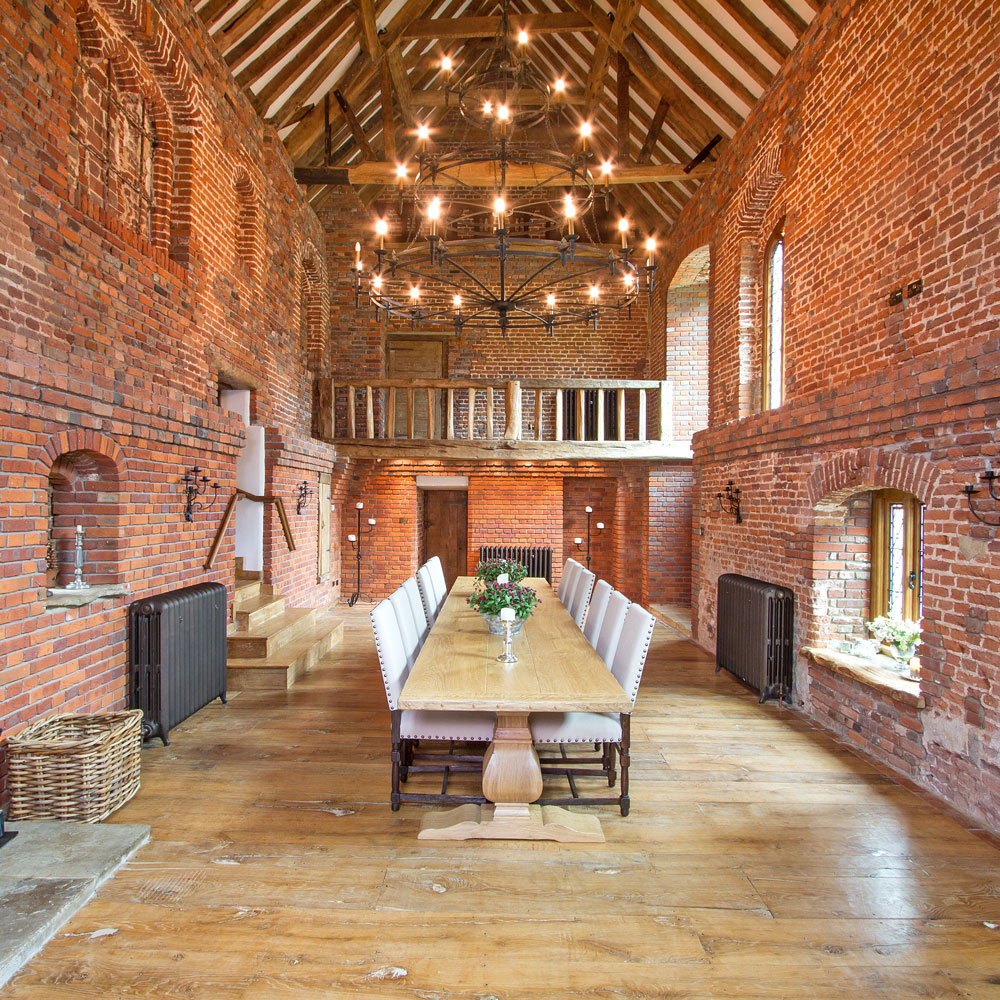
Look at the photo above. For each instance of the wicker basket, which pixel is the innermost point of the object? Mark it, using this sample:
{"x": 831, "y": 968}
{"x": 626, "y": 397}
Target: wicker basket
{"x": 79, "y": 768}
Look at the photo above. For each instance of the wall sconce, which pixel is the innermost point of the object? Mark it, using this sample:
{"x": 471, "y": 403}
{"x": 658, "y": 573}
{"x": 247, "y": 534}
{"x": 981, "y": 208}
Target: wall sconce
{"x": 578, "y": 542}
{"x": 970, "y": 491}
{"x": 729, "y": 502}
{"x": 355, "y": 540}
{"x": 305, "y": 492}
{"x": 196, "y": 486}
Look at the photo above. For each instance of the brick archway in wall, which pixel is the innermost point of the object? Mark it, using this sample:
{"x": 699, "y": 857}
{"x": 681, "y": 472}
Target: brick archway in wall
{"x": 840, "y": 497}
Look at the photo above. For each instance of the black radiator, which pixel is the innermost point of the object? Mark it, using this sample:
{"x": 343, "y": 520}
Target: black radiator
{"x": 177, "y": 654}
{"x": 538, "y": 560}
{"x": 754, "y": 639}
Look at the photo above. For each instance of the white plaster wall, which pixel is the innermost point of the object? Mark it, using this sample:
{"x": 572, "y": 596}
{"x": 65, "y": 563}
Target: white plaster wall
{"x": 249, "y": 477}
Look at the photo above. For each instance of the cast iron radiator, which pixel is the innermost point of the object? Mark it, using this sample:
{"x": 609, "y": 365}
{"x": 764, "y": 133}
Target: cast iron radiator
{"x": 177, "y": 655}
{"x": 538, "y": 560}
{"x": 754, "y": 639}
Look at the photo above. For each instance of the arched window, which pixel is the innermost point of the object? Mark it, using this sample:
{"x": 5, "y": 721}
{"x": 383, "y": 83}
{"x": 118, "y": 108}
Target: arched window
{"x": 774, "y": 322}
{"x": 897, "y": 554}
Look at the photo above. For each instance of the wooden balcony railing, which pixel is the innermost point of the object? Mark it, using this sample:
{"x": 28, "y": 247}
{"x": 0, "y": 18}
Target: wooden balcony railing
{"x": 553, "y": 417}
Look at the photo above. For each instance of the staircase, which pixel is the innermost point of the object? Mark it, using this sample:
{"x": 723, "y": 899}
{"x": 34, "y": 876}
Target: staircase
{"x": 270, "y": 645}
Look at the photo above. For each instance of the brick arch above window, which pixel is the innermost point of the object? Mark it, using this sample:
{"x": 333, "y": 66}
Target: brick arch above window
{"x": 82, "y": 440}
{"x": 870, "y": 468}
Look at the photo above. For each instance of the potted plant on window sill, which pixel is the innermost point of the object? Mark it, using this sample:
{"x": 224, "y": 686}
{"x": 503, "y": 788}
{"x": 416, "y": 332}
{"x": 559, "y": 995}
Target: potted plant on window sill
{"x": 495, "y": 596}
{"x": 900, "y": 636}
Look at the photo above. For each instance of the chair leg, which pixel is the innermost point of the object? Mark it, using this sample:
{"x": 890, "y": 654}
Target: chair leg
{"x": 623, "y": 753}
{"x": 394, "y": 793}
{"x": 612, "y": 774}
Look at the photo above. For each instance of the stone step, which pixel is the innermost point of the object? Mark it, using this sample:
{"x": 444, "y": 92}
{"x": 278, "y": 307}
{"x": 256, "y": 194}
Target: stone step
{"x": 290, "y": 660}
{"x": 251, "y": 614}
{"x": 276, "y": 631}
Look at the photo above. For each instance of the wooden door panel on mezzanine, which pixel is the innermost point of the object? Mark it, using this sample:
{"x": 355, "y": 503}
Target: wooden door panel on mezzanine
{"x": 414, "y": 359}
{"x": 446, "y": 531}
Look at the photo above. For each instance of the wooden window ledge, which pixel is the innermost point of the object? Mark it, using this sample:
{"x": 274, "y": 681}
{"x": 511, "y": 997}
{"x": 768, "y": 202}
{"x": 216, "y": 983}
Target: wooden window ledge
{"x": 877, "y": 673}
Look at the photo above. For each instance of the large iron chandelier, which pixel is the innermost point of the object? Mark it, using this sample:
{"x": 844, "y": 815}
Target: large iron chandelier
{"x": 502, "y": 234}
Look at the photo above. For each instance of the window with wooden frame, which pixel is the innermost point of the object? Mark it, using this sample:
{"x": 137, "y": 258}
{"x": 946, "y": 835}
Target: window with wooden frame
{"x": 774, "y": 321}
{"x": 897, "y": 555}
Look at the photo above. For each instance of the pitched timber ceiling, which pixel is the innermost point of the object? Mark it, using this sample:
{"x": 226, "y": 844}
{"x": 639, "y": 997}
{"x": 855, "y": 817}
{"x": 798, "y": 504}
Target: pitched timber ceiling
{"x": 665, "y": 82}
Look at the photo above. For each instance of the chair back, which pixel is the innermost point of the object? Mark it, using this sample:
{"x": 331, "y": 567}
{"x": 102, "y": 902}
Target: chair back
{"x": 581, "y": 596}
{"x": 412, "y": 592}
{"x": 630, "y": 657}
{"x": 570, "y": 578}
{"x": 436, "y": 571}
{"x": 595, "y": 614}
{"x": 426, "y": 589}
{"x": 391, "y": 655}
{"x": 407, "y": 629}
{"x": 611, "y": 627}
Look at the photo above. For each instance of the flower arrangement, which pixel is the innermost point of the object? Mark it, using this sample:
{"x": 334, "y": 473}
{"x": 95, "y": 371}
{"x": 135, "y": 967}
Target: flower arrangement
{"x": 489, "y": 569}
{"x": 896, "y": 632}
{"x": 495, "y": 596}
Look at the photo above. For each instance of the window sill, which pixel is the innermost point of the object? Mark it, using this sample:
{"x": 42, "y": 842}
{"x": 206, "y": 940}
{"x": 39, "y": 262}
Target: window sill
{"x": 61, "y": 597}
{"x": 876, "y": 673}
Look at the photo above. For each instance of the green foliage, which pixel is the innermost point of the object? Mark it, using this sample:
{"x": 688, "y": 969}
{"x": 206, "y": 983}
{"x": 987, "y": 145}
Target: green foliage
{"x": 489, "y": 569}
{"x": 496, "y": 596}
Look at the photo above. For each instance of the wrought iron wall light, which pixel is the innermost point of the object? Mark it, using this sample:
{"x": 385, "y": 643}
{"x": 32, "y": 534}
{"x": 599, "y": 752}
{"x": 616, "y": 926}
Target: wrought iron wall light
{"x": 355, "y": 540}
{"x": 729, "y": 501}
{"x": 195, "y": 488}
{"x": 305, "y": 491}
{"x": 970, "y": 491}
{"x": 578, "y": 542}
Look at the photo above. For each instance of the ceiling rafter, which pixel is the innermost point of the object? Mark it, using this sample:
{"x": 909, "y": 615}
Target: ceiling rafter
{"x": 761, "y": 34}
{"x": 215, "y": 10}
{"x": 244, "y": 21}
{"x": 783, "y": 10}
{"x": 488, "y": 26}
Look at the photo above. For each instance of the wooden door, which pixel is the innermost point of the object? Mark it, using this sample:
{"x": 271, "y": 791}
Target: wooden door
{"x": 413, "y": 359}
{"x": 446, "y": 530}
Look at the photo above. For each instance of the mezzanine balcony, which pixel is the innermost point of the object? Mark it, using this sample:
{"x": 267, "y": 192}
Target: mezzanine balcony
{"x": 516, "y": 420}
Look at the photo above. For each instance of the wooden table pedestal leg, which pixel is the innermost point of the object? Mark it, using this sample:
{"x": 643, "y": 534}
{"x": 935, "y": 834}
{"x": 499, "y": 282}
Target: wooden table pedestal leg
{"x": 512, "y": 780}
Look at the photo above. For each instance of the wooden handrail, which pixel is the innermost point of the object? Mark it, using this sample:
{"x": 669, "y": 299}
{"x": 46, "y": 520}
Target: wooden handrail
{"x": 227, "y": 514}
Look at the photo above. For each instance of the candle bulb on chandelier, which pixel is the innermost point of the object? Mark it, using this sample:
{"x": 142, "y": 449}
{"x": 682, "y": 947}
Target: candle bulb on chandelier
{"x": 569, "y": 210}
{"x": 401, "y": 174}
{"x": 423, "y": 134}
{"x": 446, "y": 65}
{"x": 623, "y": 229}
{"x": 585, "y": 132}
{"x": 357, "y": 256}
{"x": 560, "y": 89}
{"x": 457, "y": 303}
{"x": 381, "y": 227}
{"x": 499, "y": 212}
{"x": 433, "y": 214}
{"x": 650, "y": 251}
{"x": 522, "y": 39}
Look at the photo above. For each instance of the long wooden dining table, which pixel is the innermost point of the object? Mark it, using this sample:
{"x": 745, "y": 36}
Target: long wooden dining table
{"x": 557, "y": 670}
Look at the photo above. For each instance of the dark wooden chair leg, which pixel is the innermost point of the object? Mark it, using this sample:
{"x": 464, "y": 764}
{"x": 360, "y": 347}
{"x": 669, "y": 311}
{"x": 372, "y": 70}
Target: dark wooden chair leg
{"x": 623, "y": 754}
{"x": 394, "y": 793}
{"x": 612, "y": 773}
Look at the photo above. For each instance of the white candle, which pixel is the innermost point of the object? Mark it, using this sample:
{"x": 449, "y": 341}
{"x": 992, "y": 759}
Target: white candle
{"x": 600, "y": 525}
{"x": 503, "y": 578}
{"x": 79, "y": 529}
{"x": 577, "y": 541}
{"x": 352, "y": 538}
{"x": 360, "y": 505}
{"x": 371, "y": 520}
{"x": 589, "y": 510}
{"x": 507, "y": 614}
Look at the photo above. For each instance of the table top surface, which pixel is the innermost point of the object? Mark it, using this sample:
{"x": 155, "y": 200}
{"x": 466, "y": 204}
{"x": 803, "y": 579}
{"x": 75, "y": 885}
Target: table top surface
{"x": 557, "y": 669}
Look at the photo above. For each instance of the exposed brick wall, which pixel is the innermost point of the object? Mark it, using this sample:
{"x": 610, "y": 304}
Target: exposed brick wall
{"x": 876, "y": 145}
{"x": 671, "y": 497}
{"x": 117, "y": 321}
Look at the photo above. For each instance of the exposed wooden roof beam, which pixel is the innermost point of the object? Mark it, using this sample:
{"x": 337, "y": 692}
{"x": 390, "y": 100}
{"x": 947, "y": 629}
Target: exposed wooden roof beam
{"x": 243, "y": 22}
{"x": 388, "y": 121}
{"x": 753, "y": 66}
{"x": 215, "y": 10}
{"x": 701, "y": 54}
{"x": 655, "y": 127}
{"x": 235, "y": 51}
{"x": 487, "y": 27}
{"x": 609, "y": 42}
{"x": 756, "y": 29}
{"x": 623, "y": 110}
{"x": 791, "y": 18}
{"x": 483, "y": 175}
{"x": 322, "y": 17}
{"x": 355, "y": 126}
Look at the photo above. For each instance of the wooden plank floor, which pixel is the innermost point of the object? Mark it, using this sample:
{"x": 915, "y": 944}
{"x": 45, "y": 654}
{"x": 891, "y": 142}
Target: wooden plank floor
{"x": 761, "y": 860}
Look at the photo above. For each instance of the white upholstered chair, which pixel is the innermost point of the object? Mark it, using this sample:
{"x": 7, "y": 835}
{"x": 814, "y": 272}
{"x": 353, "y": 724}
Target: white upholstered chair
{"x": 409, "y": 726}
{"x": 613, "y": 731}
{"x": 436, "y": 571}
{"x": 595, "y": 613}
{"x": 407, "y": 627}
{"x": 427, "y": 598}
{"x": 568, "y": 579}
{"x": 611, "y": 627}
{"x": 580, "y": 600}
{"x": 412, "y": 592}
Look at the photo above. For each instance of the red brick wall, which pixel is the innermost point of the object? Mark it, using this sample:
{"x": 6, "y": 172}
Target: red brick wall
{"x": 115, "y": 330}
{"x": 877, "y": 147}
